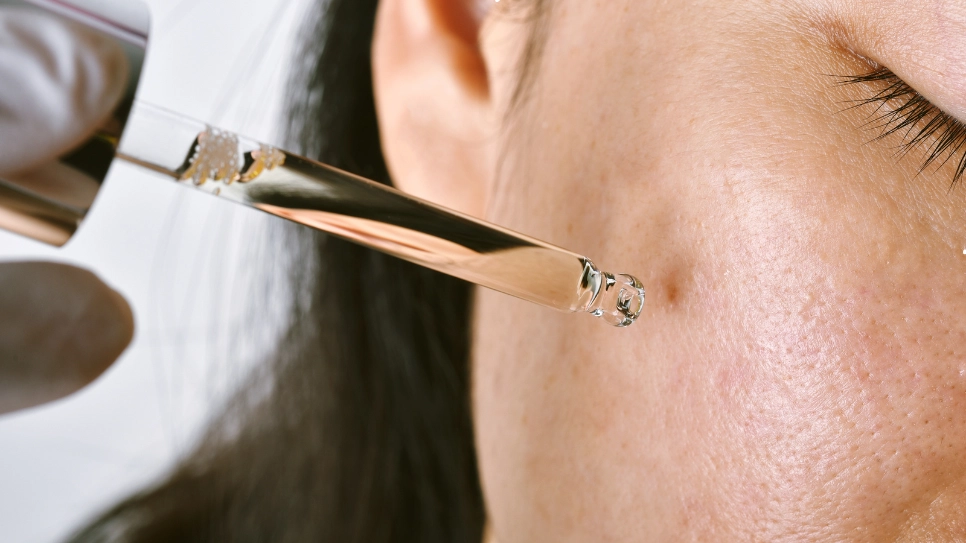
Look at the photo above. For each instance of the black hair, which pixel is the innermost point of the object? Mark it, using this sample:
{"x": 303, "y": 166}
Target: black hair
{"x": 366, "y": 434}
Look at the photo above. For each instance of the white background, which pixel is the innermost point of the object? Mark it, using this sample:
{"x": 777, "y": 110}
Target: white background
{"x": 192, "y": 267}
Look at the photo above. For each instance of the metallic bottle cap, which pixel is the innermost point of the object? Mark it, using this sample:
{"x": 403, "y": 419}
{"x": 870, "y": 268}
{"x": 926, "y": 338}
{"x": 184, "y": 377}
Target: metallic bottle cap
{"x": 48, "y": 201}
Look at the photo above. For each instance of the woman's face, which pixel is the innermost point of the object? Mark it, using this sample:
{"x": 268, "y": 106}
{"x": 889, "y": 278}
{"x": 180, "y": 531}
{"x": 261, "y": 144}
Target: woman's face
{"x": 799, "y": 371}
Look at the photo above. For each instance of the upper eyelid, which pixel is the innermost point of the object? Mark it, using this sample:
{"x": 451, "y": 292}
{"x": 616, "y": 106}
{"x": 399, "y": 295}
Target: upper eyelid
{"x": 901, "y": 109}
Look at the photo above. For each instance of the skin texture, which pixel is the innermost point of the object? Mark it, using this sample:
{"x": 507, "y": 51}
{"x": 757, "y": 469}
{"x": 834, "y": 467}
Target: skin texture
{"x": 799, "y": 371}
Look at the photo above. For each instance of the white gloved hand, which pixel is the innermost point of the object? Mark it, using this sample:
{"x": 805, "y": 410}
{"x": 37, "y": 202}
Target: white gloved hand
{"x": 60, "y": 326}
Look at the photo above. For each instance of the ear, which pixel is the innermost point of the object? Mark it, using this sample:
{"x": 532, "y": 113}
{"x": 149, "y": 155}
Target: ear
{"x": 437, "y": 118}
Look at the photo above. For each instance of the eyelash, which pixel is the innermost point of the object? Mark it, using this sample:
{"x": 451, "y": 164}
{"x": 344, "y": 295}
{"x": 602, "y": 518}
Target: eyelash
{"x": 921, "y": 124}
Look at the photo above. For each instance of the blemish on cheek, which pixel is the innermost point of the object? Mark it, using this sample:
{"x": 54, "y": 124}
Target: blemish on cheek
{"x": 675, "y": 281}
{"x": 672, "y": 292}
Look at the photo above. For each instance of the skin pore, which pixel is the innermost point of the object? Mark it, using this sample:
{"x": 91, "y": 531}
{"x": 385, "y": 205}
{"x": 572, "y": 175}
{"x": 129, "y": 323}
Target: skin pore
{"x": 799, "y": 372}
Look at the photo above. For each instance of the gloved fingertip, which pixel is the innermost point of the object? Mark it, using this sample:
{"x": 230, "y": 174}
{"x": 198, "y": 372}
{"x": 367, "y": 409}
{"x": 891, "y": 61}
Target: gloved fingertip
{"x": 107, "y": 73}
{"x": 121, "y": 330}
{"x": 58, "y": 82}
{"x": 60, "y": 328}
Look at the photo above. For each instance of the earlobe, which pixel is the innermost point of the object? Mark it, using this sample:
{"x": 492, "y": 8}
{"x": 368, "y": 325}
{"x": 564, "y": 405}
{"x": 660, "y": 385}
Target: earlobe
{"x": 433, "y": 100}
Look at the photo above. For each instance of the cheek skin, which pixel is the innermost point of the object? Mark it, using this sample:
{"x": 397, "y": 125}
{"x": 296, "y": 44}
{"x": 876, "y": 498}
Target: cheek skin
{"x": 800, "y": 369}
{"x": 846, "y": 390}
{"x": 850, "y": 284}
{"x": 843, "y": 374}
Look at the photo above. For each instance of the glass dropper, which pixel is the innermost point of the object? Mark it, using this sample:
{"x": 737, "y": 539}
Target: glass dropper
{"x": 292, "y": 187}
{"x": 359, "y": 210}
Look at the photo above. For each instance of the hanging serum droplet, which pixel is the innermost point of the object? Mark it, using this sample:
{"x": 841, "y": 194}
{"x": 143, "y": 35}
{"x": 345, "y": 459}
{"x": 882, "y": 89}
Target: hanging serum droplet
{"x": 617, "y": 299}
